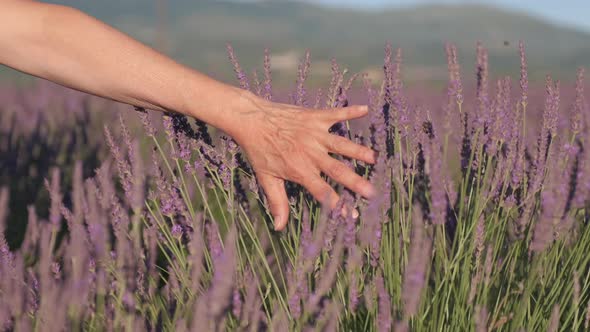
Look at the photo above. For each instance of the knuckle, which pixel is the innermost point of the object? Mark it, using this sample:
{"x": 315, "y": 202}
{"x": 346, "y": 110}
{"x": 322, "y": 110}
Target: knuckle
{"x": 325, "y": 192}
{"x": 297, "y": 176}
{"x": 331, "y": 145}
{"x": 335, "y": 144}
{"x": 302, "y": 174}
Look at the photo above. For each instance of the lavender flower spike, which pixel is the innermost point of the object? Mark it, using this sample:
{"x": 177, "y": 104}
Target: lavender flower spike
{"x": 267, "y": 76}
{"x": 384, "y": 319}
{"x": 241, "y": 75}
{"x": 415, "y": 272}
{"x": 524, "y": 79}
{"x": 579, "y": 108}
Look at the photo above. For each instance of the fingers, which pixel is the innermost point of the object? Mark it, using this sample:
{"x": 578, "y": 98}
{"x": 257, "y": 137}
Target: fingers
{"x": 340, "y": 145}
{"x": 320, "y": 190}
{"x": 339, "y": 172}
{"x": 324, "y": 193}
{"x": 343, "y": 114}
{"x": 274, "y": 189}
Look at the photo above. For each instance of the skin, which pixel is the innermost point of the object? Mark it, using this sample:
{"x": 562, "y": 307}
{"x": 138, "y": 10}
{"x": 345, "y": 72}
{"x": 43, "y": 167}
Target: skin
{"x": 282, "y": 142}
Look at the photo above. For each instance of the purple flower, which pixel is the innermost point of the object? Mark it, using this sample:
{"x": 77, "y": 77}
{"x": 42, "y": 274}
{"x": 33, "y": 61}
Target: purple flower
{"x": 353, "y": 295}
{"x": 524, "y": 80}
{"x": 454, "y": 89}
{"x": 225, "y": 175}
{"x": 257, "y": 85}
{"x": 146, "y": 121}
{"x": 388, "y": 72}
{"x": 456, "y": 82}
{"x": 481, "y": 319}
{"x": 220, "y": 293}
{"x": 128, "y": 301}
{"x": 384, "y": 319}
{"x": 236, "y": 303}
{"x": 123, "y": 166}
{"x": 415, "y": 270}
{"x": 237, "y": 68}
{"x": 579, "y": 108}
{"x": 55, "y": 197}
{"x": 184, "y": 150}
{"x": 167, "y": 208}
{"x": 335, "y": 85}
{"x": 335, "y": 220}
{"x": 176, "y": 231}
{"x": 267, "y": 76}
{"x": 550, "y": 115}
{"x": 370, "y": 235}
{"x": 302, "y": 73}
{"x": 328, "y": 275}
{"x": 482, "y": 86}
{"x": 213, "y": 240}
{"x": 306, "y": 234}
{"x": 543, "y": 231}
{"x": 295, "y": 301}
{"x": 507, "y": 123}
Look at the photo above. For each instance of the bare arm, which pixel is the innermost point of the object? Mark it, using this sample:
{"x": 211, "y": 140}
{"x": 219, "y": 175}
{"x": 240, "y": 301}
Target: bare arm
{"x": 68, "y": 47}
{"x": 282, "y": 142}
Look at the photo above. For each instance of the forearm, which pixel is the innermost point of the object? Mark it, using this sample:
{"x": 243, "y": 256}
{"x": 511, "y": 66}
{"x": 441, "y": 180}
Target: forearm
{"x": 68, "y": 47}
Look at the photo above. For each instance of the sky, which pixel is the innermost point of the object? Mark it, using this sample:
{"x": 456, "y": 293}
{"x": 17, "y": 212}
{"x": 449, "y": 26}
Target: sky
{"x": 573, "y": 13}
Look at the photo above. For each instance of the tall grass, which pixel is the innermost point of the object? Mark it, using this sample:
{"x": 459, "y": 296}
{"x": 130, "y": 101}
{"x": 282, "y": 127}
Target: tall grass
{"x": 480, "y": 223}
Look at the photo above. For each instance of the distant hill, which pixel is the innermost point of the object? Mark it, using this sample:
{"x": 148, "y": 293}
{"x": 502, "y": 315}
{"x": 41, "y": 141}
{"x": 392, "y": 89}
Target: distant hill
{"x": 198, "y": 31}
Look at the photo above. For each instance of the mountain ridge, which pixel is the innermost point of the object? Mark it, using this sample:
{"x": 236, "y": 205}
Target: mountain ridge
{"x": 197, "y": 32}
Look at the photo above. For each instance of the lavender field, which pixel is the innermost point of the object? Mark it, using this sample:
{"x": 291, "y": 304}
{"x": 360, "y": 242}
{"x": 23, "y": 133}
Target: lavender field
{"x": 137, "y": 221}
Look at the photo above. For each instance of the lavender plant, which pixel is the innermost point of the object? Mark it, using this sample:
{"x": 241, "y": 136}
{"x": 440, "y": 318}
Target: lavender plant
{"x": 480, "y": 223}
{"x": 41, "y": 127}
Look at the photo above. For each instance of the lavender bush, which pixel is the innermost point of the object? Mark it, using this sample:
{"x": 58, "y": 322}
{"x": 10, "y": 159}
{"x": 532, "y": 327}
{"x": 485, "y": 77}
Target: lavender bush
{"x": 480, "y": 223}
{"x": 41, "y": 127}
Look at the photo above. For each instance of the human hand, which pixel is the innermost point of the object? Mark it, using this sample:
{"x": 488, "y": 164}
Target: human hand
{"x": 282, "y": 142}
{"x": 286, "y": 142}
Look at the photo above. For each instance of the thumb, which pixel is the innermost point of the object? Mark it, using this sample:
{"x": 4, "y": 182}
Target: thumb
{"x": 274, "y": 189}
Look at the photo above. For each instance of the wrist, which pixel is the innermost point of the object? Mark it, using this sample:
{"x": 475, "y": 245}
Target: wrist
{"x": 225, "y": 107}
{"x": 241, "y": 113}
{"x": 219, "y": 105}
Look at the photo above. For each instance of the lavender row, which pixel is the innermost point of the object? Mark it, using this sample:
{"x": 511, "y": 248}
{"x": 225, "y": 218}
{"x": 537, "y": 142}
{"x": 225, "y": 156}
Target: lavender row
{"x": 480, "y": 222}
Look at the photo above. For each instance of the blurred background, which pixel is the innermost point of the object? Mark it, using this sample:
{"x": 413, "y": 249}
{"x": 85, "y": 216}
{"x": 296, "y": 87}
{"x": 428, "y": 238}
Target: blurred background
{"x": 195, "y": 32}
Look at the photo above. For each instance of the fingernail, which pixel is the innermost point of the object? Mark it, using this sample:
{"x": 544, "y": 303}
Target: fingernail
{"x": 277, "y": 223}
{"x": 344, "y": 212}
{"x": 369, "y": 192}
{"x": 364, "y": 108}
